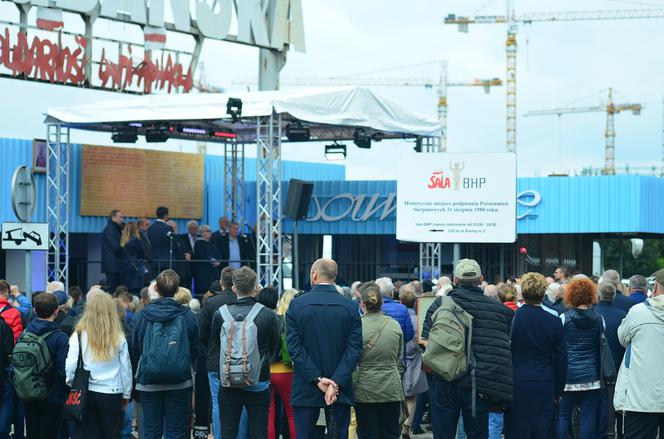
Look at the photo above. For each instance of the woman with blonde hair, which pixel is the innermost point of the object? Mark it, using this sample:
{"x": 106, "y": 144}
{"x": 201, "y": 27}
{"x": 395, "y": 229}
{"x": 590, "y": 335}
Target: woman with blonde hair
{"x": 100, "y": 338}
{"x": 281, "y": 370}
{"x": 133, "y": 255}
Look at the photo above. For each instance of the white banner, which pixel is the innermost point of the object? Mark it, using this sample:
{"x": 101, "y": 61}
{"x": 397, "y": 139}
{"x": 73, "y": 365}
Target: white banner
{"x": 457, "y": 197}
{"x": 25, "y": 236}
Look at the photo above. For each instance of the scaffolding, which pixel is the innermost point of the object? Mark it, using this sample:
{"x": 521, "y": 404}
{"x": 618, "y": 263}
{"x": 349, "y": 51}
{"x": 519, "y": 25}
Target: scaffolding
{"x": 234, "y": 179}
{"x": 431, "y": 253}
{"x": 57, "y": 202}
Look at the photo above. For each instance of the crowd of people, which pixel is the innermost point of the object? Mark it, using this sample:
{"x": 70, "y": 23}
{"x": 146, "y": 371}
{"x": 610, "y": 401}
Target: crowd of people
{"x": 525, "y": 358}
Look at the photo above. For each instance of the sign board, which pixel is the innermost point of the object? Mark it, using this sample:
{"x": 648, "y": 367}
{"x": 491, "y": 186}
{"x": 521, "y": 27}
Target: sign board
{"x": 457, "y": 197}
{"x": 137, "y": 181}
{"x": 24, "y": 236}
{"x": 24, "y": 194}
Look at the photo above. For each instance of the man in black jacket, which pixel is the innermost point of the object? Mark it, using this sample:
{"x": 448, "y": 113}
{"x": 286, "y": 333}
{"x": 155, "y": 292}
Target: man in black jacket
{"x": 256, "y": 399}
{"x": 111, "y": 252}
{"x": 492, "y": 354}
{"x": 208, "y": 310}
{"x": 162, "y": 241}
{"x": 236, "y": 249}
{"x": 324, "y": 339}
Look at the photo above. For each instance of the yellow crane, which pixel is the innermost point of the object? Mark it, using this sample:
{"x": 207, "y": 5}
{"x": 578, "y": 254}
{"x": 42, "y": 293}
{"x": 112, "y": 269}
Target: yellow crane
{"x": 440, "y": 84}
{"x": 611, "y": 109}
{"x": 511, "y": 20}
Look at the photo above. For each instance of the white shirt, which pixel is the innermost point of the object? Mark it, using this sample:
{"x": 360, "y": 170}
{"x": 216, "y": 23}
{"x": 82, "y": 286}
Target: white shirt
{"x": 110, "y": 377}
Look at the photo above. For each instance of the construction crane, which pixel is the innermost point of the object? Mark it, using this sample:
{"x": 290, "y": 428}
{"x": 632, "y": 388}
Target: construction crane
{"x": 611, "y": 109}
{"x": 511, "y": 20}
{"x": 439, "y": 84}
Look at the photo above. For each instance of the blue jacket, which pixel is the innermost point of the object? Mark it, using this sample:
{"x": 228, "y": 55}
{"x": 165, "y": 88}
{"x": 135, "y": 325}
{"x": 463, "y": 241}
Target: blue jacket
{"x": 638, "y": 297}
{"x": 582, "y": 331}
{"x": 541, "y": 354}
{"x": 324, "y": 339}
{"x": 162, "y": 310}
{"x": 613, "y": 317}
{"x": 623, "y": 302}
{"x": 160, "y": 242}
{"x": 58, "y": 346}
{"x": 399, "y": 312}
{"x": 111, "y": 252}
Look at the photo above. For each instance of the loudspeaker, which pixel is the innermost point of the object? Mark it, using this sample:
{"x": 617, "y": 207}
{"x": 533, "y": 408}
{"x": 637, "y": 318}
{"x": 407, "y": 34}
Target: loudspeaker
{"x": 298, "y": 199}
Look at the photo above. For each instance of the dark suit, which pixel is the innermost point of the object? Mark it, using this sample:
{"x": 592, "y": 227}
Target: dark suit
{"x": 111, "y": 254}
{"x": 324, "y": 339}
{"x": 539, "y": 358}
{"x": 160, "y": 244}
{"x": 623, "y": 302}
{"x": 247, "y": 250}
{"x": 203, "y": 271}
{"x": 185, "y": 280}
{"x": 133, "y": 265}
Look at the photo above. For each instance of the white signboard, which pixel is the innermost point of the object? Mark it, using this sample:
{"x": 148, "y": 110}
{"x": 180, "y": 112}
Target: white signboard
{"x": 449, "y": 197}
{"x": 24, "y": 236}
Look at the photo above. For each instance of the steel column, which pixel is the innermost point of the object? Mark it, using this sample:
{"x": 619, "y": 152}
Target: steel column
{"x": 234, "y": 183}
{"x": 431, "y": 253}
{"x": 268, "y": 196}
{"x": 57, "y": 202}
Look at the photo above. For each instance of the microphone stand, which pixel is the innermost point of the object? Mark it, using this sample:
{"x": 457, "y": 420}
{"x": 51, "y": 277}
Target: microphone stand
{"x": 170, "y": 252}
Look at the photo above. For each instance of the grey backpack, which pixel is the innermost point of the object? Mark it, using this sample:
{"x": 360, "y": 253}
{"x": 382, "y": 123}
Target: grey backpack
{"x": 239, "y": 359}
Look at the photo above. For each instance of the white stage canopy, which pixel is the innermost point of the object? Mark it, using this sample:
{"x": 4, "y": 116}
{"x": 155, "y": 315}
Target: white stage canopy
{"x": 330, "y": 113}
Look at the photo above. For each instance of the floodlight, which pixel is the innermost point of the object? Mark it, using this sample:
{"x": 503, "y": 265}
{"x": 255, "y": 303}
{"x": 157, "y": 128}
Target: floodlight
{"x": 124, "y": 134}
{"x": 157, "y": 133}
{"x": 297, "y": 132}
{"x": 335, "y": 152}
{"x": 362, "y": 139}
{"x": 234, "y": 108}
{"x": 418, "y": 145}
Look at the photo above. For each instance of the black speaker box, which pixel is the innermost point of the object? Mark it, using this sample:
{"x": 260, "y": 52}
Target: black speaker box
{"x": 298, "y": 199}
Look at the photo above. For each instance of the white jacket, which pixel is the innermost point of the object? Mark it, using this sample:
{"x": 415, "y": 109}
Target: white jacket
{"x": 112, "y": 377}
{"x": 640, "y": 387}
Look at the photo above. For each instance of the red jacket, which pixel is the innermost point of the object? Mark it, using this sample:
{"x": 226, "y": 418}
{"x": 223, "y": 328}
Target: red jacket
{"x": 12, "y": 317}
{"x": 511, "y": 305}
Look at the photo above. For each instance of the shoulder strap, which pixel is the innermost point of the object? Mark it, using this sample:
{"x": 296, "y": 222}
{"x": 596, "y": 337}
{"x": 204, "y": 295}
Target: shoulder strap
{"x": 226, "y": 314}
{"x": 375, "y": 338}
{"x": 258, "y": 307}
{"x": 80, "y": 351}
{"x": 5, "y": 308}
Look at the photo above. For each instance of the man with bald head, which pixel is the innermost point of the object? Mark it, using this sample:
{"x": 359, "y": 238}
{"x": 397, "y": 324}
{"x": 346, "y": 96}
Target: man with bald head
{"x": 324, "y": 339}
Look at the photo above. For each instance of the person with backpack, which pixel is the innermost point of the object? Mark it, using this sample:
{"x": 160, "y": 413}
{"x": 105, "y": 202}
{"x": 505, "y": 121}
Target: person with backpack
{"x": 210, "y": 306}
{"x": 281, "y": 371}
{"x": 165, "y": 345}
{"x": 38, "y": 362}
{"x": 100, "y": 342}
{"x": 466, "y": 335}
{"x": 12, "y": 317}
{"x": 377, "y": 380}
{"x": 248, "y": 333}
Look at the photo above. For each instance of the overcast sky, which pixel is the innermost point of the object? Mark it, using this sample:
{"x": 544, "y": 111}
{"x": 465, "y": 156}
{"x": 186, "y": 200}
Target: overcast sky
{"x": 558, "y": 63}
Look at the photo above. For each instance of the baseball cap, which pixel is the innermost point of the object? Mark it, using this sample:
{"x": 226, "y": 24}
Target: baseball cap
{"x": 659, "y": 276}
{"x": 467, "y": 269}
{"x": 61, "y": 296}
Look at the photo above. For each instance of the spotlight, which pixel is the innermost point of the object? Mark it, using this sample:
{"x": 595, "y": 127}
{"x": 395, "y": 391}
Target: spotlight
{"x": 193, "y": 131}
{"x": 296, "y": 132}
{"x": 335, "y": 152}
{"x": 124, "y": 134}
{"x": 418, "y": 145}
{"x": 362, "y": 139}
{"x": 234, "y": 108}
{"x": 222, "y": 134}
{"x": 157, "y": 134}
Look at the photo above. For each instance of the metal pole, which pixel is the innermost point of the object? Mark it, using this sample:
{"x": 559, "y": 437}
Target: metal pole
{"x": 28, "y": 275}
{"x": 296, "y": 259}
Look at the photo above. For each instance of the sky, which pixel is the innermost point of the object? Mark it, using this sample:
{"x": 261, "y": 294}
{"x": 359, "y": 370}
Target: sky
{"x": 558, "y": 63}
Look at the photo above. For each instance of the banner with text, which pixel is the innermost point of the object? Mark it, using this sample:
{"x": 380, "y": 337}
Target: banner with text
{"x": 457, "y": 197}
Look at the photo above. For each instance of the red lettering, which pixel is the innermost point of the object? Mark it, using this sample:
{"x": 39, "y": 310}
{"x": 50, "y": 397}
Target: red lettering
{"x": 438, "y": 181}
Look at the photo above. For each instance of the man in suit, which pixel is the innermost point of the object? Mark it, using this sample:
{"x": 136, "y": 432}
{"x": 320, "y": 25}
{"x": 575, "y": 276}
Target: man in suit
{"x": 322, "y": 374}
{"x": 224, "y": 225}
{"x": 143, "y": 226}
{"x": 160, "y": 235}
{"x": 187, "y": 241}
{"x": 111, "y": 252}
{"x": 236, "y": 249}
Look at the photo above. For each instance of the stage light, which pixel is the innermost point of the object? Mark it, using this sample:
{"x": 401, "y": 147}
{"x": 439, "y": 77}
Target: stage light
{"x": 523, "y": 251}
{"x": 196, "y": 131}
{"x": 418, "y": 145}
{"x": 335, "y": 152}
{"x": 362, "y": 139}
{"x": 157, "y": 133}
{"x": 297, "y": 132}
{"x": 222, "y": 134}
{"x": 124, "y": 134}
{"x": 234, "y": 108}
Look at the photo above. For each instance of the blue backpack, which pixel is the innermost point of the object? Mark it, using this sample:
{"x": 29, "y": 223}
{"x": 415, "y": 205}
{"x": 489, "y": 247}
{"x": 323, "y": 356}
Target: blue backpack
{"x": 165, "y": 358}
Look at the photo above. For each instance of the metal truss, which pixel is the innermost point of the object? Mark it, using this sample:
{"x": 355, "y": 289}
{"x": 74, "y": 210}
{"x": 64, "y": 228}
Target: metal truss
{"x": 234, "y": 179}
{"x": 57, "y": 202}
{"x": 431, "y": 253}
{"x": 268, "y": 196}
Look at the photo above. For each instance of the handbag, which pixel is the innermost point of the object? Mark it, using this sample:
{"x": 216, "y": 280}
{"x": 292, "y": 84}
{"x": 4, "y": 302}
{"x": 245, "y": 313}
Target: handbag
{"x": 607, "y": 367}
{"x": 78, "y": 395}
